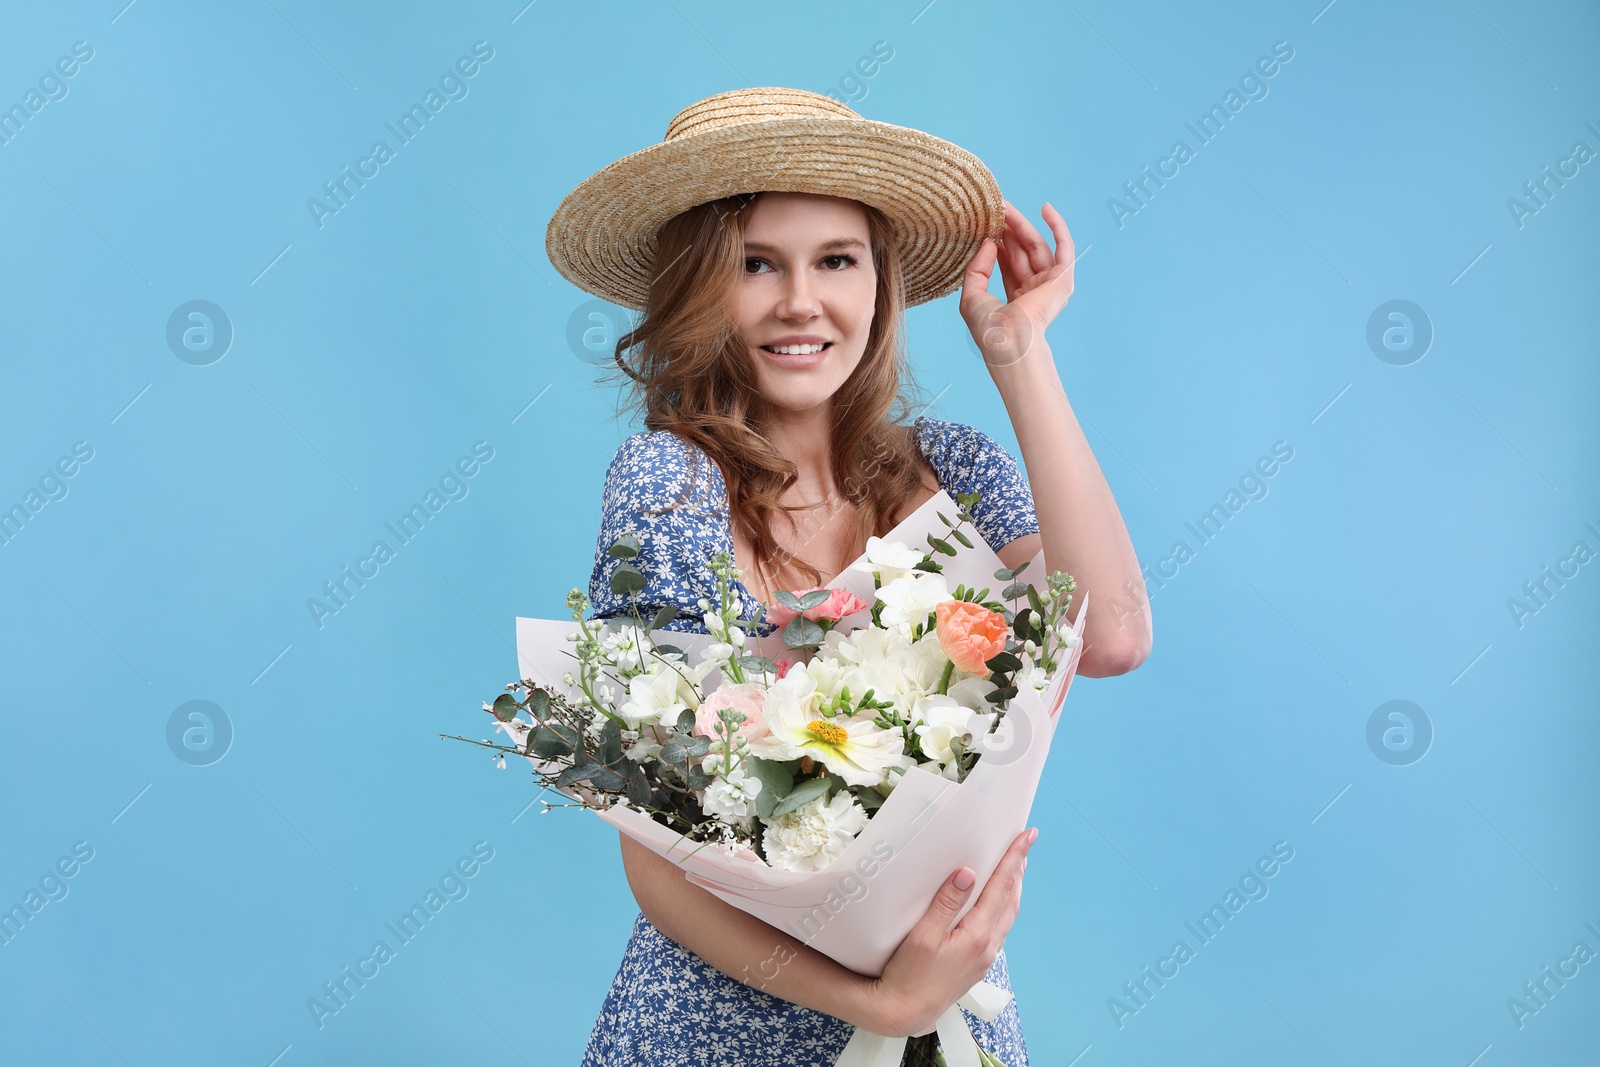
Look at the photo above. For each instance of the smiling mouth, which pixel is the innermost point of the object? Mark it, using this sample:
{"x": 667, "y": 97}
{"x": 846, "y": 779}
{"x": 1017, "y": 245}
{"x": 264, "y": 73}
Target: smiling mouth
{"x": 814, "y": 350}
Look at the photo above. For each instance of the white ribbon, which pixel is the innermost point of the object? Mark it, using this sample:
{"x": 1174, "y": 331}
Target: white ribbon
{"x": 985, "y": 1000}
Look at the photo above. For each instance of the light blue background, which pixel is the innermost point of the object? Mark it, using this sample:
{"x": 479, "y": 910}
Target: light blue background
{"x": 1229, "y": 313}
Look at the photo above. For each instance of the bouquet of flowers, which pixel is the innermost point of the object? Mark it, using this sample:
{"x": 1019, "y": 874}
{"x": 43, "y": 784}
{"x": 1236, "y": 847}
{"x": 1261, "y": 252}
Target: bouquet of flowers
{"x": 892, "y": 728}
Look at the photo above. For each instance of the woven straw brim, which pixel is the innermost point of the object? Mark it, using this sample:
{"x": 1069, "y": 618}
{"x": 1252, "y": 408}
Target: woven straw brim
{"x": 940, "y": 199}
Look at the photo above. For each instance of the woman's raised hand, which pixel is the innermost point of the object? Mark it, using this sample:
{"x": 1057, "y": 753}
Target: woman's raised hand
{"x": 1037, "y": 283}
{"x": 936, "y": 964}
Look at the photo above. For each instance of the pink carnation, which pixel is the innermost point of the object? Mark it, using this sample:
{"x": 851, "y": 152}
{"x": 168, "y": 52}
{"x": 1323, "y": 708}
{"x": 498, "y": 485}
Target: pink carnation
{"x": 840, "y": 602}
{"x": 746, "y": 697}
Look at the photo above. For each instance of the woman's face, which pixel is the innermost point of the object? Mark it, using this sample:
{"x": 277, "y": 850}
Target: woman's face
{"x": 808, "y": 281}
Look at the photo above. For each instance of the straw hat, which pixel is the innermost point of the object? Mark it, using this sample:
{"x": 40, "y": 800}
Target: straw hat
{"x": 940, "y": 198}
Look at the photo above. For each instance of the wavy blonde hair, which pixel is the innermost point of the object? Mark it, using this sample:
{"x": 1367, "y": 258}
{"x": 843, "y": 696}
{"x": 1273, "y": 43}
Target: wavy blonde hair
{"x": 691, "y": 375}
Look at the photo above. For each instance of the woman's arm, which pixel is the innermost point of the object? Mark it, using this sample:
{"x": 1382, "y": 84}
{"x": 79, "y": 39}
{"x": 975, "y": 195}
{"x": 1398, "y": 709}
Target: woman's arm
{"x": 739, "y": 944}
{"x": 1080, "y": 527}
{"x": 931, "y": 969}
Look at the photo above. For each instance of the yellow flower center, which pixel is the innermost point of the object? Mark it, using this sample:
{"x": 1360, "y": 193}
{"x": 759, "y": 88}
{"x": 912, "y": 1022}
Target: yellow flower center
{"x": 831, "y": 732}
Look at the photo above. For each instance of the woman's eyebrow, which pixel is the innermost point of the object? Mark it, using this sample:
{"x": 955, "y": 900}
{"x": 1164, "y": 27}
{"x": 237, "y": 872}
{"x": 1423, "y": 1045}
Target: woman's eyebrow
{"x": 837, "y": 242}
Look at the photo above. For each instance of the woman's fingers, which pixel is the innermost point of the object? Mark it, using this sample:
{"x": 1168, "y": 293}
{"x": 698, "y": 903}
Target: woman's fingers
{"x": 1065, "y": 250}
{"x": 1002, "y": 894}
{"x": 1033, "y": 250}
{"x": 976, "y": 276}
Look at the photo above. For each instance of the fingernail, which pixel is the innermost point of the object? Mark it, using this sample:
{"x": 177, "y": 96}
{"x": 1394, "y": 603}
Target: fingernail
{"x": 1033, "y": 835}
{"x": 964, "y": 879}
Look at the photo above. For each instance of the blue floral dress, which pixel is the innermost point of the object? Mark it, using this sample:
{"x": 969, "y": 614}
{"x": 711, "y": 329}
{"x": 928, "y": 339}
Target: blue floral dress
{"x": 667, "y": 1007}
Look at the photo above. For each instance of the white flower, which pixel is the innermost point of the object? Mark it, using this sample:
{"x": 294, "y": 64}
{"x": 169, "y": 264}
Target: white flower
{"x": 658, "y": 696}
{"x": 1069, "y": 639}
{"x": 888, "y": 559}
{"x": 941, "y": 721}
{"x": 732, "y": 795}
{"x": 500, "y": 761}
{"x": 1034, "y": 677}
{"x": 814, "y": 834}
{"x": 855, "y": 748}
{"x": 647, "y": 747}
{"x": 712, "y": 619}
{"x": 717, "y": 652}
{"x": 627, "y": 644}
{"x": 736, "y": 635}
{"x": 972, "y": 691}
{"x": 911, "y": 598}
{"x": 899, "y": 670}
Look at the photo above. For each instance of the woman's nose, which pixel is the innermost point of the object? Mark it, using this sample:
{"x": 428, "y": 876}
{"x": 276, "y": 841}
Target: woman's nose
{"x": 797, "y": 301}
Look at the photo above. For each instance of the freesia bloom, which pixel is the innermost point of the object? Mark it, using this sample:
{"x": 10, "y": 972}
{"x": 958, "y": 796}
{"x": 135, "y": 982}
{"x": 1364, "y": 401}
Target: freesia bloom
{"x": 910, "y": 598}
{"x": 658, "y": 695}
{"x": 970, "y": 634}
{"x": 840, "y": 602}
{"x": 813, "y": 835}
{"x": 942, "y": 720}
{"x": 746, "y": 697}
{"x": 888, "y": 559}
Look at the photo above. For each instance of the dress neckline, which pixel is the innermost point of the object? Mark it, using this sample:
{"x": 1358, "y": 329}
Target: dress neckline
{"x": 747, "y": 599}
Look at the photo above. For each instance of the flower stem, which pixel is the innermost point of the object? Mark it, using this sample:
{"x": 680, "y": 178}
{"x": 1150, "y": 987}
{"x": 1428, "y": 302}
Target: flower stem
{"x": 944, "y": 679}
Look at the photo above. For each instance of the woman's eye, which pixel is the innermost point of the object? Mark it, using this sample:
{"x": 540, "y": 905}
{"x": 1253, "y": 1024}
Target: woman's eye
{"x": 849, "y": 261}
{"x": 750, "y": 261}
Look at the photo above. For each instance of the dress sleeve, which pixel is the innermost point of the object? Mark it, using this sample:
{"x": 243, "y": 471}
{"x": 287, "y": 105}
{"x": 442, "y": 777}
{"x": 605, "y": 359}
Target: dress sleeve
{"x": 967, "y": 460}
{"x": 648, "y": 474}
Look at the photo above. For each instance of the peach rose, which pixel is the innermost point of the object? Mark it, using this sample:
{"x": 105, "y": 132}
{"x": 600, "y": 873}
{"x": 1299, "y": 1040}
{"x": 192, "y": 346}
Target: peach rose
{"x": 970, "y": 634}
{"x": 840, "y": 602}
{"x": 746, "y": 697}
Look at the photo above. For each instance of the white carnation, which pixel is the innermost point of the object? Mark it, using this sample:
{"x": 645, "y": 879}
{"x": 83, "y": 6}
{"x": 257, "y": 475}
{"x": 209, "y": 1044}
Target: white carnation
{"x": 814, "y": 834}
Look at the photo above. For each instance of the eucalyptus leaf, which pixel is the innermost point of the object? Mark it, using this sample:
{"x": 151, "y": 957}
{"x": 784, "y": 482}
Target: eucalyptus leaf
{"x": 505, "y": 707}
{"x": 813, "y": 598}
{"x": 777, "y": 779}
{"x": 801, "y": 632}
{"x": 672, "y": 752}
{"x": 638, "y": 786}
{"x": 664, "y": 616}
{"x": 545, "y": 743}
{"x": 624, "y": 547}
{"x": 959, "y": 536}
{"x": 610, "y": 743}
{"x": 788, "y": 600}
{"x": 627, "y": 580}
{"x": 803, "y": 793}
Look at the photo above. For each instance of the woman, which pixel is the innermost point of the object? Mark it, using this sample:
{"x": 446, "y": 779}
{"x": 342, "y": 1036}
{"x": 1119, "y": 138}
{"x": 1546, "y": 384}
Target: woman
{"x": 770, "y": 368}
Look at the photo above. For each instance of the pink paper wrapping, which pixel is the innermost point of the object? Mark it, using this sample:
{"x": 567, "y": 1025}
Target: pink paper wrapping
{"x": 861, "y": 907}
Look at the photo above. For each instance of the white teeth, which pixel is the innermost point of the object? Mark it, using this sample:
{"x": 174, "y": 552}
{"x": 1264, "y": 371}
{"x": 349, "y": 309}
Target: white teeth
{"x": 795, "y": 350}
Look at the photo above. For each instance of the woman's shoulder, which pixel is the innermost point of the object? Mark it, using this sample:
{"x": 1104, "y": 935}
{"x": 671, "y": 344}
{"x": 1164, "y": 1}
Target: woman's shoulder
{"x": 654, "y": 464}
{"x": 955, "y": 447}
{"x": 968, "y": 460}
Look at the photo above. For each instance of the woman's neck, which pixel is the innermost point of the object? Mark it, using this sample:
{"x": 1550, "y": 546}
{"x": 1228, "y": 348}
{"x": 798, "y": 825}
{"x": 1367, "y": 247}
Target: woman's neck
{"x": 805, "y": 438}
